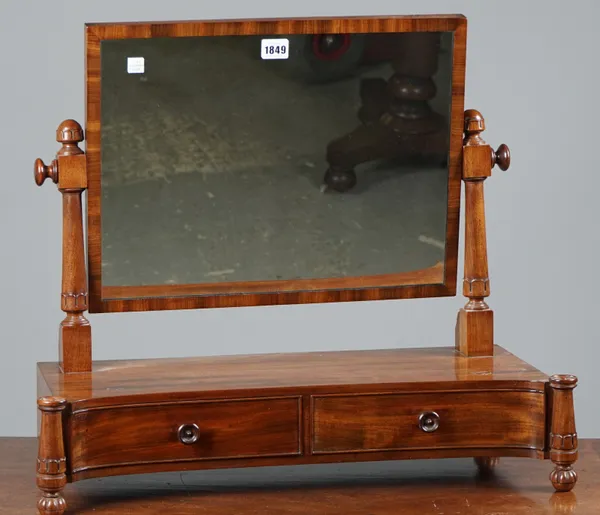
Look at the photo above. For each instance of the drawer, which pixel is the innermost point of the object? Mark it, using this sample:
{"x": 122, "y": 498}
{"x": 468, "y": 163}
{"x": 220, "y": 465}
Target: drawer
{"x": 362, "y": 423}
{"x": 186, "y": 431}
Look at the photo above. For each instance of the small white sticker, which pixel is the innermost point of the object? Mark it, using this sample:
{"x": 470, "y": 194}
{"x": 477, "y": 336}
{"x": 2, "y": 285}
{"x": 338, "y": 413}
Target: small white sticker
{"x": 275, "y": 48}
{"x": 135, "y": 65}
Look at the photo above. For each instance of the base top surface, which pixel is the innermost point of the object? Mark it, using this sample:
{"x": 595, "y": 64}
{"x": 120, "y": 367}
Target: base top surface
{"x": 426, "y": 369}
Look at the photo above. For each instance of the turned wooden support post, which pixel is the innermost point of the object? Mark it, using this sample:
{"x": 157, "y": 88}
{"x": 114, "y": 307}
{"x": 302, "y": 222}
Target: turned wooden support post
{"x": 51, "y": 462}
{"x": 563, "y": 435}
{"x": 69, "y": 172}
{"x": 475, "y": 324}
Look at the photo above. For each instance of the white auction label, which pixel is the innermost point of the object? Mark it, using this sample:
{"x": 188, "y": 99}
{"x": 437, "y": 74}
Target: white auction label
{"x": 275, "y": 48}
{"x": 135, "y": 65}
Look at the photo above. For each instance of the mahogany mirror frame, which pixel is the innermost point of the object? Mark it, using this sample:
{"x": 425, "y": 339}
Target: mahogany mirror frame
{"x": 437, "y": 281}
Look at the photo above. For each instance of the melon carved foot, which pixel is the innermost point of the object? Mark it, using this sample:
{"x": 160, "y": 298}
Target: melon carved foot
{"x": 563, "y": 435}
{"x": 51, "y": 462}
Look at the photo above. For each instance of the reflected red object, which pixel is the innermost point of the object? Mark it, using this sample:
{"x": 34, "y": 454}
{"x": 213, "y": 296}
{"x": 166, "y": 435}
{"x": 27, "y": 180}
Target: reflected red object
{"x": 379, "y": 47}
{"x": 330, "y": 47}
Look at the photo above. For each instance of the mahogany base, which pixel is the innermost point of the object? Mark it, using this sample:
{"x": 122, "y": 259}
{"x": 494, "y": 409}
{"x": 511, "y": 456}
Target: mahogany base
{"x": 141, "y": 416}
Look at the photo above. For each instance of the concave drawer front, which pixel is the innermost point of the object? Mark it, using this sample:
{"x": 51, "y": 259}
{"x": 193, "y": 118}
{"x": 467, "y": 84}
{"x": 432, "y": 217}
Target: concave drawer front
{"x": 362, "y": 423}
{"x": 185, "y": 431}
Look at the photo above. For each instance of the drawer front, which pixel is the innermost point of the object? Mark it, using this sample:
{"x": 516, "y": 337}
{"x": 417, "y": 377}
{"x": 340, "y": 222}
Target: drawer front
{"x": 362, "y": 423}
{"x": 211, "y": 430}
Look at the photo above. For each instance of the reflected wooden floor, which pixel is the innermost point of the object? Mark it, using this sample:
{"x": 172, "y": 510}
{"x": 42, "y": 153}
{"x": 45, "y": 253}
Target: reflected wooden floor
{"x": 436, "y": 487}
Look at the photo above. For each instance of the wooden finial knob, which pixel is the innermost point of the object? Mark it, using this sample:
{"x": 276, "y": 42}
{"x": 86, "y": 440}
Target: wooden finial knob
{"x": 474, "y": 122}
{"x": 52, "y": 403}
{"x": 501, "y": 157}
{"x": 69, "y": 131}
{"x": 70, "y": 134}
{"x": 41, "y": 172}
{"x": 563, "y": 381}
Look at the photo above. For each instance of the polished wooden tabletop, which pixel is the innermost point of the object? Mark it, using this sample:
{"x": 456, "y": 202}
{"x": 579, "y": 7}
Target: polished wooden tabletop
{"x": 399, "y": 369}
{"x": 436, "y": 487}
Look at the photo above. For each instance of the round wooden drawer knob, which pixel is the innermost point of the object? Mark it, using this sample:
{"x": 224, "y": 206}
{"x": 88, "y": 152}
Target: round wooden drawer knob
{"x": 429, "y": 421}
{"x": 188, "y": 433}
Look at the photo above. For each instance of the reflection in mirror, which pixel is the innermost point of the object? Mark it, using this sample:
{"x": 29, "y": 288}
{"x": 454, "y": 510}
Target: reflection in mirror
{"x": 327, "y": 159}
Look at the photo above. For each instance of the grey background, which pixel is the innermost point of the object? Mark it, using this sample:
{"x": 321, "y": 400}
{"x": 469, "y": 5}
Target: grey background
{"x": 531, "y": 70}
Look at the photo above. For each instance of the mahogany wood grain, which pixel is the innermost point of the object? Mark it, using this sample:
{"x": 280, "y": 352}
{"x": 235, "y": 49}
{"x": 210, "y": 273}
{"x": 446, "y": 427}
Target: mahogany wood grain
{"x": 117, "y": 383}
{"x": 68, "y": 170}
{"x": 244, "y": 428}
{"x": 475, "y": 322}
{"x": 307, "y": 459}
{"x": 366, "y": 423}
{"x": 51, "y": 459}
{"x": 123, "y": 416}
{"x": 75, "y": 335}
{"x": 283, "y": 409}
{"x": 426, "y": 277}
{"x": 516, "y": 487}
{"x": 563, "y": 434}
{"x": 428, "y": 283}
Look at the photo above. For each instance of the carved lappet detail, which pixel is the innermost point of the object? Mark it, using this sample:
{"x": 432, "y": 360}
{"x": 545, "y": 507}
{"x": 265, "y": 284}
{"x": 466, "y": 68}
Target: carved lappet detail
{"x": 51, "y": 462}
{"x": 74, "y": 301}
{"x": 70, "y": 134}
{"x": 563, "y": 442}
{"x": 51, "y": 465}
{"x": 69, "y": 172}
{"x": 563, "y": 436}
{"x": 472, "y": 284}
